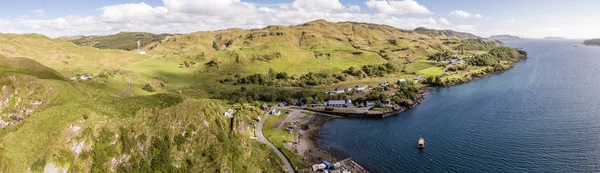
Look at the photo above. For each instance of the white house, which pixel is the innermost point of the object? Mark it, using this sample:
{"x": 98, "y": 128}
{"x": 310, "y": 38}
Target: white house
{"x": 401, "y": 81}
{"x": 370, "y": 103}
{"x": 349, "y": 89}
{"x": 339, "y": 103}
{"x": 339, "y": 91}
{"x": 385, "y": 103}
{"x": 86, "y": 76}
{"x": 359, "y": 88}
{"x": 228, "y": 113}
{"x": 317, "y": 167}
{"x": 276, "y": 112}
{"x": 419, "y": 78}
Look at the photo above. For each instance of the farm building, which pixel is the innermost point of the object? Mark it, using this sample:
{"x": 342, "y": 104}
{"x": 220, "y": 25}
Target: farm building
{"x": 264, "y": 107}
{"x": 86, "y": 76}
{"x": 339, "y": 103}
{"x": 228, "y": 113}
{"x": 360, "y": 88}
{"x": 276, "y": 112}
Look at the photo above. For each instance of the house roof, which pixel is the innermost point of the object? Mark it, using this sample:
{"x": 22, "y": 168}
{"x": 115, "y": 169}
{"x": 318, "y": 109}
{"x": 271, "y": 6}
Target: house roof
{"x": 336, "y": 102}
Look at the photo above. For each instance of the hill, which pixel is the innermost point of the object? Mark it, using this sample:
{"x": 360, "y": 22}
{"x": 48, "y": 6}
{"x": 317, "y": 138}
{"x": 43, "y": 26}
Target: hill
{"x": 47, "y": 122}
{"x": 63, "y": 56}
{"x": 592, "y": 42}
{"x": 446, "y": 33}
{"x": 504, "y": 38}
{"x": 164, "y": 111}
{"x": 124, "y": 40}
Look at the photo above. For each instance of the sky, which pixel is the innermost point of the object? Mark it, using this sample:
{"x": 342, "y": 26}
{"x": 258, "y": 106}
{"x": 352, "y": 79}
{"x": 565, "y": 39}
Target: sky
{"x": 525, "y": 18}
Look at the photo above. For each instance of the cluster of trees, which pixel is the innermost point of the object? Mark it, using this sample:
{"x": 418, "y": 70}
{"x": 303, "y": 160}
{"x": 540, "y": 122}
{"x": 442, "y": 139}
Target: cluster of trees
{"x": 441, "y": 56}
{"x": 404, "y": 95}
{"x": 463, "y": 67}
{"x": 435, "y": 81}
{"x": 476, "y": 44}
{"x": 274, "y": 78}
{"x": 372, "y": 70}
{"x": 495, "y": 55}
{"x": 245, "y": 95}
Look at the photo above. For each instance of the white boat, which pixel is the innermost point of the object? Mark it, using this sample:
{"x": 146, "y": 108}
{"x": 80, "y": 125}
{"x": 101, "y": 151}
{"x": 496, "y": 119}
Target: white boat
{"x": 421, "y": 143}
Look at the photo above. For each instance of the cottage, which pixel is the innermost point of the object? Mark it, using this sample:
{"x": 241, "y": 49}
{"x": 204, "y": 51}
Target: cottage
{"x": 86, "y": 76}
{"x": 339, "y": 91}
{"x": 228, "y": 113}
{"x": 456, "y": 62}
{"x": 359, "y": 88}
{"x": 339, "y": 103}
{"x": 370, "y": 103}
{"x": 384, "y": 84}
{"x": 401, "y": 81}
{"x": 264, "y": 107}
{"x": 276, "y": 112}
{"x": 349, "y": 90}
{"x": 317, "y": 167}
{"x": 385, "y": 103}
{"x": 419, "y": 78}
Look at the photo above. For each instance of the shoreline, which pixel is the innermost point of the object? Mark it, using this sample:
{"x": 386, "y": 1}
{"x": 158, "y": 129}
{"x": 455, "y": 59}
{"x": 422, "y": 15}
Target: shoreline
{"x": 321, "y": 119}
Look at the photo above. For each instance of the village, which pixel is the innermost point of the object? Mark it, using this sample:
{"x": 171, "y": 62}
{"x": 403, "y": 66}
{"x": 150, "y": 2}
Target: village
{"x": 294, "y": 125}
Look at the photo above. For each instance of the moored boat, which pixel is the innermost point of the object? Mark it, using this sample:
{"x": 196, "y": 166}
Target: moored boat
{"x": 421, "y": 143}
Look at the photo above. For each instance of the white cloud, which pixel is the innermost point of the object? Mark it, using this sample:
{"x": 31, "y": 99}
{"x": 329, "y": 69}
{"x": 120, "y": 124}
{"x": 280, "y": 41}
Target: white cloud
{"x": 464, "y": 14}
{"x": 39, "y": 13}
{"x": 317, "y": 5}
{"x": 444, "y": 21}
{"x": 398, "y": 7}
{"x": 465, "y": 28}
{"x": 511, "y": 20}
{"x": 184, "y": 16}
{"x": 226, "y": 8}
{"x": 354, "y": 8}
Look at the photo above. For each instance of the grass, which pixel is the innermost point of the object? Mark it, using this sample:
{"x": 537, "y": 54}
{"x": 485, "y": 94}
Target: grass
{"x": 431, "y": 71}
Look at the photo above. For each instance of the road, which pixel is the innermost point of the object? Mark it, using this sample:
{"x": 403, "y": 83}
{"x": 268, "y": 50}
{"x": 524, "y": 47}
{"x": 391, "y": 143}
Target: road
{"x": 261, "y": 138}
{"x": 128, "y": 89}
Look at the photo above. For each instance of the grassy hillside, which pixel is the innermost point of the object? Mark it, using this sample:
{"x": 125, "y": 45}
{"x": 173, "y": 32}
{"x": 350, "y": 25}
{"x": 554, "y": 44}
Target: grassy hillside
{"x": 163, "y": 111}
{"x": 63, "y": 56}
{"x": 47, "y": 121}
{"x": 124, "y": 40}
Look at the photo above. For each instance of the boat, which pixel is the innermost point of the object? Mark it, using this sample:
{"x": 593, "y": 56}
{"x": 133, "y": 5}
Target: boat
{"x": 421, "y": 143}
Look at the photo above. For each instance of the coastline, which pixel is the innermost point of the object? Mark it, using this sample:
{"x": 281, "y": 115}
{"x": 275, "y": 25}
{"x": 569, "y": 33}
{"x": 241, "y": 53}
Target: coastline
{"x": 321, "y": 119}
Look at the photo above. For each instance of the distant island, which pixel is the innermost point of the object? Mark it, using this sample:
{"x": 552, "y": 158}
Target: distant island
{"x": 592, "y": 42}
{"x": 504, "y": 38}
{"x": 554, "y": 38}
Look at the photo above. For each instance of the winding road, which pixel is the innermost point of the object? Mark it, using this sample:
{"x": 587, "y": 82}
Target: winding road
{"x": 261, "y": 138}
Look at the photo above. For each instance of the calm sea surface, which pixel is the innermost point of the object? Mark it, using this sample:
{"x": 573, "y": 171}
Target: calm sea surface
{"x": 541, "y": 116}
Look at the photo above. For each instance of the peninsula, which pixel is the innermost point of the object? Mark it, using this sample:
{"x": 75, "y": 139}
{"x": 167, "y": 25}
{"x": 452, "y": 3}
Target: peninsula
{"x": 592, "y": 42}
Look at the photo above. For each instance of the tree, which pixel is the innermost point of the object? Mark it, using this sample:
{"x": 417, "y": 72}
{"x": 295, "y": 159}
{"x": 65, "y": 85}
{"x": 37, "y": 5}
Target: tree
{"x": 282, "y": 75}
{"x": 148, "y": 88}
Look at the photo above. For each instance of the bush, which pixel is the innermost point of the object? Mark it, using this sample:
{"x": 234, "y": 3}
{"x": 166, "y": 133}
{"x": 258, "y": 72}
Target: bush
{"x": 148, "y": 88}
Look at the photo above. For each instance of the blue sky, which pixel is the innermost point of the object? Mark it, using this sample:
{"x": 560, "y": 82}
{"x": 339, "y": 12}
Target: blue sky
{"x": 529, "y": 18}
